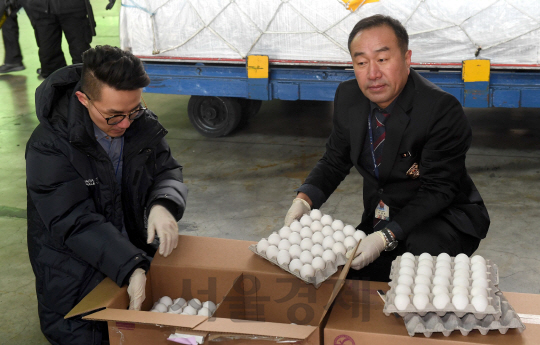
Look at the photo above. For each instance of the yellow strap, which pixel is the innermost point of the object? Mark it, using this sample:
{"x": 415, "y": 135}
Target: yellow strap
{"x": 352, "y": 5}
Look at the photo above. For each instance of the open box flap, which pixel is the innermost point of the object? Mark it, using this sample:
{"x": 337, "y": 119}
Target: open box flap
{"x": 135, "y": 316}
{"x": 269, "y": 329}
{"x": 99, "y": 298}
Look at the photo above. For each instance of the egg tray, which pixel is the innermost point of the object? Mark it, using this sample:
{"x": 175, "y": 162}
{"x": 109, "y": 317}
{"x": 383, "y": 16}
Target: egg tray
{"x": 493, "y": 308}
{"x": 320, "y": 275}
{"x": 431, "y": 322}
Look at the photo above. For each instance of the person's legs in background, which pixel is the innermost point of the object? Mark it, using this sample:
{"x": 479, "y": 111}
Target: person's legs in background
{"x": 10, "y": 34}
{"x": 76, "y": 27}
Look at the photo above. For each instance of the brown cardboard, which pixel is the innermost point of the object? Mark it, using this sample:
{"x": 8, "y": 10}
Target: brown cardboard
{"x": 357, "y": 318}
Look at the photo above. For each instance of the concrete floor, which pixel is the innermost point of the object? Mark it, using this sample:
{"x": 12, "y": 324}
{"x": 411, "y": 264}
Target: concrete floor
{"x": 241, "y": 186}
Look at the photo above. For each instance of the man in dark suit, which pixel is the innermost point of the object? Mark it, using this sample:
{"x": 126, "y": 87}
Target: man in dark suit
{"x": 408, "y": 139}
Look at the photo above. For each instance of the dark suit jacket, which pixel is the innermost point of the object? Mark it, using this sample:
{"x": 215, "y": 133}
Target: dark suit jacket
{"x": 429, "y": 124}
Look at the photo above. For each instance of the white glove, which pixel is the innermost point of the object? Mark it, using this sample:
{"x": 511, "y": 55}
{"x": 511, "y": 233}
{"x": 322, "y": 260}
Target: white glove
{"x": 369, "y": 249}
{"x": 298, "y": 208}
{"x": 162, "y": 222}
{"x": 137, "y": 284}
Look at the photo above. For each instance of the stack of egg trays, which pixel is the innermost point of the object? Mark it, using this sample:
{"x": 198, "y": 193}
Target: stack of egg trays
{"x": 320, "y": 275}
{"x": 493, "y": 307}
{"x": 450, "y": 322}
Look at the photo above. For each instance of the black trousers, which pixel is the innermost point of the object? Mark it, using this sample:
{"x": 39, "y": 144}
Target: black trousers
{"x": 10, "y": 35}
{"x": 435, "y": 236}
{"x": 48, "y": 29}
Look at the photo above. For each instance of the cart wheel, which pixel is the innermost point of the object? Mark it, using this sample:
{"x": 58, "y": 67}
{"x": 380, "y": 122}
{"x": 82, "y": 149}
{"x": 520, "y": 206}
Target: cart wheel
{"x": 214, "y": 116}
{"x": 250, "y": 107}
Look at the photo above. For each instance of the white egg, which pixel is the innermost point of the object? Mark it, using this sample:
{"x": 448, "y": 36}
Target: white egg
{"x": 443, "y": 263}
{"x": 349, "y": 230}
{"x": 444, "y": 272}
{"x": 327, "y": 231}
{"x": 306, "y": 244}
{"x": 327, "y": 220}
{"x": 284, "y": 257}
{"x": 284, "y": 232}
{"x": 461, "y": 265}
{"x": 210, "y": 306}
{"x": 421, "y": 279}
{"x": 180, "y": 301}
{"x": 402, "y": 301}
{"x": 460, "y": 290}
{"x": 317, "y": 250}
{"x": 306, "y": 257}
{"x": 405, "y": 280}
{"x": 318, "y": 263}
{"x": 420, "y": 301}
{"x": 296, "y": 226}
{"x": 444, "y": 257}
{"x": 204, "y": 312}
{"x": 315, "y": 214}
{"x": 479, "y": 274}
{"x": 317, "y": 237}
{"x": 295, "y": 265}
{"x": 421, "y": 288}
{"x": 316, "y": 226}
{"x": 262, "y": 245}
{"x": 307, "y": 271}
{"x": 478, "y": 290}
{"x": 166, "y": 300}
{"x": 337, "y": 225}
{"x": 195, "y": 303}
{"x": 460, "y": 281}
{"x": 306, "y": 220}
{"x": 407, "y": 262}
{"x": 328, "y": 242}
{"x": 175, "y": 309}
{"x": 408, "y": 255}
{"x": 460, "y": 301}
{"x": 441, "y": 300}
{"x": 295, "y": 251}
{"x": 461, "y": 258}
{"x": 295, "y": 238}
{"x": 329, "y": 256}
{"x": 403, "y": 289}
{"x": 306, "y": 232}
{"x": 338, "y": 248}
{"x": 440, "y": 280}
{"x": 406, "y": 270}
{"x": 359, "y": 235}
{"x": 479, "y": 303}
{"x": 160, "y": 308}
{"x": 461, "y": 273}
{"x": 425, "y": 256}
{"x": 439, "y": 289}
{"x": 189, "y": 310}
{"x": 426, "y": 263}
{"x": 338, "y": 236}
{"x": 349, "y": 242}
{"x": 271, "y": 252}
{"x": 478, "y": 266}
{"x": 481, "y": 282}
{"x": 477, "y": 258}
{"x": 424, "y": 270}
{"x": 284, "y": 244}
{"x": 274, "y": 239}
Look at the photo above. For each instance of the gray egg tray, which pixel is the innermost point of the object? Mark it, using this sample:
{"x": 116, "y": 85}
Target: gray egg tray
{"x": 320, "y": 275}
{"x": 431, "y": 322}
{"x": 494, "y": 303}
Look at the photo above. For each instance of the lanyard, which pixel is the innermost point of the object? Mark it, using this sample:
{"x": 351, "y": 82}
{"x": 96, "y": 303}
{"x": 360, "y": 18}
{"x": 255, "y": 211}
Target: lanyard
{"x": 120, "y": 157}
{"x": 375, "y": 168}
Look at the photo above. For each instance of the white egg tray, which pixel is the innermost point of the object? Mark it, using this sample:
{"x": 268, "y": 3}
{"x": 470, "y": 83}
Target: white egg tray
{"x": 431, "y": 322}
{"x": 320, "y": 275}
{"x": 493, "y": 308}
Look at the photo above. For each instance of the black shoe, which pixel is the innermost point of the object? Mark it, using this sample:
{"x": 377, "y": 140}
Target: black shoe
{"x": 8, "y": 67}
{"x": 38, "y": 71}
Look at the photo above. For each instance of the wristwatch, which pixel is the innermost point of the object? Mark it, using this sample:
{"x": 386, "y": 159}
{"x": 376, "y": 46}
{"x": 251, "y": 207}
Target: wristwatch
{"x": 391, "y": 242}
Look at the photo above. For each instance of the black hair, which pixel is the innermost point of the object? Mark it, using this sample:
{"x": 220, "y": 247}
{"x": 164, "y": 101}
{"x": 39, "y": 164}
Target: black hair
{"x": 118, "y": 69}
{"x": 381, "y": 20}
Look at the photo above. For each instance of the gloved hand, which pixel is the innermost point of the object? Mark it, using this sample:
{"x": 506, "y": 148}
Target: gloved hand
{"x": 298, "y": 208}
{"x": 162, "y": 222}
{"x": 137, "y": 284}
{"x": 368, "y": 250}
{"x": 110, "y": 4}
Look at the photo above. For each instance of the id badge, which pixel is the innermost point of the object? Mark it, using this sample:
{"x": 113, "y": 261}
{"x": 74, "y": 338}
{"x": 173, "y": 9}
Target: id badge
{"x": 382, "y": 211}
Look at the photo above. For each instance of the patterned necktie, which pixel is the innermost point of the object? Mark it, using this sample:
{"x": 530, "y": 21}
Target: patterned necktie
{"x": 379, "y": 134}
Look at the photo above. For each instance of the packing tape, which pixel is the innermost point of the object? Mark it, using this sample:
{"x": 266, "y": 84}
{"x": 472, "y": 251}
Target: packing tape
{"x": 532, "y": 319}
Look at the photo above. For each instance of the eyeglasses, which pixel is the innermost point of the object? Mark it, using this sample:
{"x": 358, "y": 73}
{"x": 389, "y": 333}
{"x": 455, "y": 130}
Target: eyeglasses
{"x": 116, "y": 119}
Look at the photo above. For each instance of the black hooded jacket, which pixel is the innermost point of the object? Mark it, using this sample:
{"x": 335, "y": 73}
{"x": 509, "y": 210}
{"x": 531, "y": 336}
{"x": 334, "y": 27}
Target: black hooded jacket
{"x": 75, "y": 207}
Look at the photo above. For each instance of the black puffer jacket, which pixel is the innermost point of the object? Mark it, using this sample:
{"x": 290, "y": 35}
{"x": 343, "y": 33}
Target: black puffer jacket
{"x": 75, "y": 208}
{"x": 55, "y": 6}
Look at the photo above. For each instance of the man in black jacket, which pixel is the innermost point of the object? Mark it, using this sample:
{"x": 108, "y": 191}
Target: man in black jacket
{"x": 102, "y": 185}
{"x": 408, "y": 139}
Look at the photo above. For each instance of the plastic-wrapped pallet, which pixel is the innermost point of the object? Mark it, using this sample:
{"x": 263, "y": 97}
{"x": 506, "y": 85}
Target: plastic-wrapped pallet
{"x": 310, "y": 32}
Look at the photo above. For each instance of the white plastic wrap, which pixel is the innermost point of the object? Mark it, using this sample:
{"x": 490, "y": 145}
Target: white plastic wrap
{"x": 441, "y": 32}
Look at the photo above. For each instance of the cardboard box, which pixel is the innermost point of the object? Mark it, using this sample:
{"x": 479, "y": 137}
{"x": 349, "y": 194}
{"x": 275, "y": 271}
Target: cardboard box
{"x": 260, "y": 300}
{"x": 357, "y": 318}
